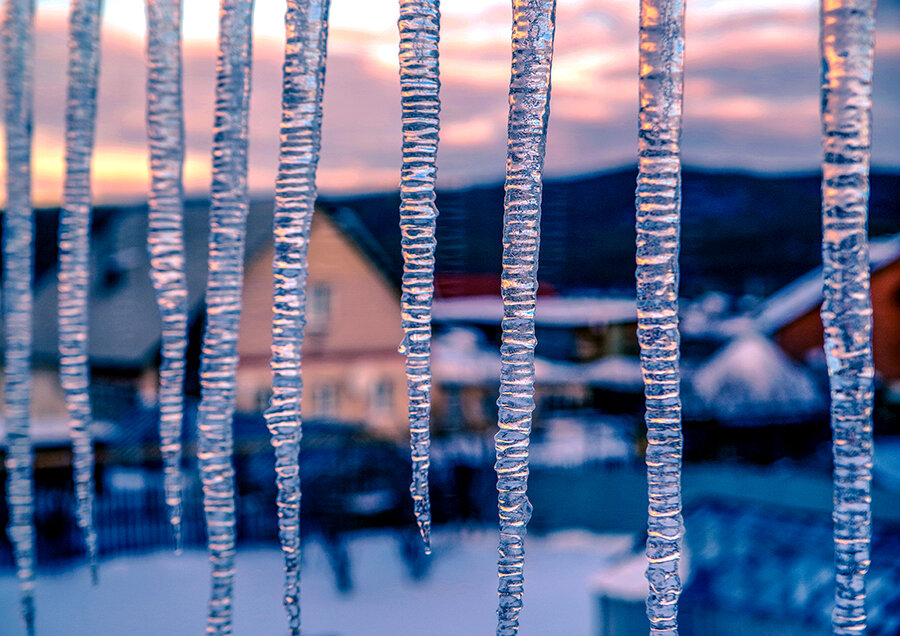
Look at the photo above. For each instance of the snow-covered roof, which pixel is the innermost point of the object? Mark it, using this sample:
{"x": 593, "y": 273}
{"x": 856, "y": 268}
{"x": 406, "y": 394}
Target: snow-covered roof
{"x": 805, "y": 293}
{"x": 460, "y": 356}
{"x": 552, "y": 311}
{"x": 751, "y": 381}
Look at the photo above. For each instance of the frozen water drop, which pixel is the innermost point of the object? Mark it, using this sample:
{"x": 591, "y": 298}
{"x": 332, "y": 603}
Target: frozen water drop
{"x": 419, "y": 93}
{"x": 306, "y": 24}
{"x": 74, "y": 250}
{"x": 529, "y": 110}
{"x": 165, "y": 236}
{"x": 18, "y": 300}
{"x": 658, "y": 213}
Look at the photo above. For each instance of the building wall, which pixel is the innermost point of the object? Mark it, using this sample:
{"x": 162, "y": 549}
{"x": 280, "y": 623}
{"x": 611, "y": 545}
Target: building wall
{"x": 351, "y": 368}
{"x": 805, "y": 335}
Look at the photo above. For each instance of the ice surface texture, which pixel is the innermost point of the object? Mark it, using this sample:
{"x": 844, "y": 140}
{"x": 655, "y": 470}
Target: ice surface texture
{"x": 165, "y": 237}
{"x": 847, "y": 41}
{"x": 306, "y": 27}
{"x": 219, "y": 357}
{"x": 420, "y": 87}
{"x": 74, "y": 236}
{"x": 18, "y": 274}
{"x": 529, "y": 110}
{"x": 658, "y": 209}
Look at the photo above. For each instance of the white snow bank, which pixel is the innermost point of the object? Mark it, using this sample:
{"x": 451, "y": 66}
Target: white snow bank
{"x": 160, "y": 593}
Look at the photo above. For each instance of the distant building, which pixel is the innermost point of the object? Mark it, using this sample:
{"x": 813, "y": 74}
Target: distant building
{"x": 352, "y": 371}
{"x": 750, "y": 400}
{"x": 792, "y": 319}
{"x": 586, "y": 358}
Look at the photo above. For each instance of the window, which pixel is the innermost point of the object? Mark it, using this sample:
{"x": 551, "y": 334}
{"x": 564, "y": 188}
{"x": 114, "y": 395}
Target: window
{"x": 318, "y": 310}
{"x": 382, "y": 396}
{"x": 325, "y": 400}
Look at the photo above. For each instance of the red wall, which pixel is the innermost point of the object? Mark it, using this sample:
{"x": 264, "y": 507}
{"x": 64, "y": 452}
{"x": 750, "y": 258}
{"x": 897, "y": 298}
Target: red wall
{"x": 805, "y": 333}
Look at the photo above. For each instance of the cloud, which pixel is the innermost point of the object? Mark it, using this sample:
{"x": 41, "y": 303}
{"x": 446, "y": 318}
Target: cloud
{"x": 751, "y": 97}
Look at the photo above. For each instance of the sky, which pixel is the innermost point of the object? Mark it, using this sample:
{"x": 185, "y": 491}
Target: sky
{"x": 751, "y": 92}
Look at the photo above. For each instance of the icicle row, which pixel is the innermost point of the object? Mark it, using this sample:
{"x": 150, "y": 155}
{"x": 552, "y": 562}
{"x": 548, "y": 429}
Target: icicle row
{"x": 420, "y": 86}
{"x": 18, "y": 268}
{"x": 306, "y": 27}
{"x": 658, "y": 207}
{"x": 529, "y": 109}
{"x": 218, "y": 367}
{"x": 847, "y": 40}
{"x": 74, "y": 246}
{"x": 165, "y": 237}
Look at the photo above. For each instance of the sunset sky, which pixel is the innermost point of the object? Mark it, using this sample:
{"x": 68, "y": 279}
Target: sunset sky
{"x": 751, "y": 95}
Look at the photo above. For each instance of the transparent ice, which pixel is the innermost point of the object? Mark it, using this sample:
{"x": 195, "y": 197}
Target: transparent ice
{"x": 529, "y": 110}
{"x": 219, "y": 357}
{"x": 420, "y": 87}
{"x": 306, "y": 30}
{"x": 847, "y": 41}
{"x": 18, "y": 268}
{"x": 658, "y": 211}
{"x": 165, "y": 237}
{"x": 74, "y": 240}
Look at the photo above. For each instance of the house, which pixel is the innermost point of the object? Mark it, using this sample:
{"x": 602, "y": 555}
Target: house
{"x": 352, "y": 370}
{"x": 749, "y": 399}
{"x": 791, "y": 316}
{"x": 586, "y": 358}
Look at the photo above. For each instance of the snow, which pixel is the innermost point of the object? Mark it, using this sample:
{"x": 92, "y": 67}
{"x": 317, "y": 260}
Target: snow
{"x": 751, "y": 378}
{"x": 160, "y": 593}
{"x": 550, "y": 311}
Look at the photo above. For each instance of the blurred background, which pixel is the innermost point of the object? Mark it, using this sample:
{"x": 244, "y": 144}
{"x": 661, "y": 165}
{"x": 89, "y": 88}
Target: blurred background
{"x": 757, "y": 475}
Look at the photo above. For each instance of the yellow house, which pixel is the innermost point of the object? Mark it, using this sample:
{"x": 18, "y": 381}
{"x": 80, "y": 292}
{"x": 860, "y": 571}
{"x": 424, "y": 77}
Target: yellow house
{"x": 351, "y": 369}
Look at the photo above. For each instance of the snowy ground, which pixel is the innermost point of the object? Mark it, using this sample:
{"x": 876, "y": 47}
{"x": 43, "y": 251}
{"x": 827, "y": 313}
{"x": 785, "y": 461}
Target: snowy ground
{"x": 160, "y": 593}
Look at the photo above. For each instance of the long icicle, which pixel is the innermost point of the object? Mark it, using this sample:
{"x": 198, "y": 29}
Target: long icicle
{"x": 658, "y": 210}
{"x": 848, "y": 42}
{"x": 419, "y": 89}
{"x": 74, "y": 249}
{"x": 306, "y": 30}
{"x": 165, "y": 235}
{"x": 219, "y": 357}
{"x": 18, "y": 274}
{"x": 529, "y": 111}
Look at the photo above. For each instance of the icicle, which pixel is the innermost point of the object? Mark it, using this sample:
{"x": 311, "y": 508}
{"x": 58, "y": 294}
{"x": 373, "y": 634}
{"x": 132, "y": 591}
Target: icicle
{"x": 306, "y": 27}
{"x": 529, "y": 109}
{"x": 419, "y": 85}
{"x": 74, "y": 245}
{"x": 18, "y": 268}
{"x": 847, "y": 40}
{"x": 218, "y": 366}
{"x": 165, "y": 236}
{"x": 658, "y": 206}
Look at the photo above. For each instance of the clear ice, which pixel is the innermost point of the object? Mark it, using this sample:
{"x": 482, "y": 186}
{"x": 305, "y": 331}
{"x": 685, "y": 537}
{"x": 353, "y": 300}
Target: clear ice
{"x": 18, "y": 268}
{"x": 165, "y": 237}
{"x": 529, "y": 110}
{"x": 219, "y": 356}
{"x": 306, "y": 30}
{"x": 658, "y": 212}
{"x": 419, "y": 89}
{"x": 847, "y": 42}
{"x": 74, "y": 240}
